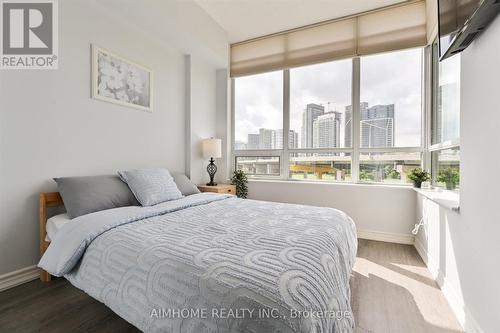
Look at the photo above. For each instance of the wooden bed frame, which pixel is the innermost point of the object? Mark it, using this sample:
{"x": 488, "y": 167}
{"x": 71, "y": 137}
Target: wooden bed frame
{"x": 47, "y": 200}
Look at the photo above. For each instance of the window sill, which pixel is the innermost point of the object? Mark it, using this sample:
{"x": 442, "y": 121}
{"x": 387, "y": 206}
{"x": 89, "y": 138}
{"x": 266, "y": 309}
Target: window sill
{"x": 327, "y": 183}
{"x": 444, "y": 198}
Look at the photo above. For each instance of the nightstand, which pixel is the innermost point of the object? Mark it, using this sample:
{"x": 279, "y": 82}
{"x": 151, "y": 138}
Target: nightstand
{"x": 219, "y": 188}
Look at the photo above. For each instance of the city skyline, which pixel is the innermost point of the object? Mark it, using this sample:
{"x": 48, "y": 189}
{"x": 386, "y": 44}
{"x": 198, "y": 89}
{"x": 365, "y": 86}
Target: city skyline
{"x": 321, "y": 129}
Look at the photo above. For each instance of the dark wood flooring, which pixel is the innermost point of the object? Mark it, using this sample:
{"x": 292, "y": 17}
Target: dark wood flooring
{"x": 56, "y": 307}
{"x": 392, "y": 291}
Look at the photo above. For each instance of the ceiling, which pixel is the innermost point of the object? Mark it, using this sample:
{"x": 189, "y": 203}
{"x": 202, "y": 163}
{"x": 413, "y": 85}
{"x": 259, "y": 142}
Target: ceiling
{"x": 246, "y": 19}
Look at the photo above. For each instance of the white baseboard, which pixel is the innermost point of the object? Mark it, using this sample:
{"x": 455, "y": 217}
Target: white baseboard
{"x": 18, "y": 277}
{"x": 389, "y": 237}
{"x": 464, "y": 316}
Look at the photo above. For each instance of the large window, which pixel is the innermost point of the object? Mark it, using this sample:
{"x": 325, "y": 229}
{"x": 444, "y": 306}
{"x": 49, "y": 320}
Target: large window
{"x": 320, "y": 111}
{"x": 258, "y": 114}
{"x": 320, "y": 166}
{"x": 390, "y": 116}
{"x": 314, "y": 105}
{"x": 390, "y": 167}
{"x": 391, "y": 100}
{"x": 445, "y": 121}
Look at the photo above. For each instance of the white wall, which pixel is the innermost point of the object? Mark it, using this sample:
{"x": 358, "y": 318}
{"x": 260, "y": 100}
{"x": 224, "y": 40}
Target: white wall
{"x": 378, "y": 211}
{"x": 202, "y": 109}
{"x": 223, "y": 129}
{"x": 437, "y": 243}
{"x": 50, "y": 127}
{"x": 207, "y": 109}
{"x": 464, "y": 248}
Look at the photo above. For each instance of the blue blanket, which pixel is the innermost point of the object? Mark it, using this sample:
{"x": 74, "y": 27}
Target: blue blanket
{"x": 214, "y": 263}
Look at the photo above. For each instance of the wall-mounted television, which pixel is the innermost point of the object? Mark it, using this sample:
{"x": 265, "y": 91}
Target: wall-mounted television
{"x": 461, "y": 21}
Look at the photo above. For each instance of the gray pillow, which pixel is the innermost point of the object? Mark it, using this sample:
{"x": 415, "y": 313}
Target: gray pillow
{"x": 151, "y": 186}
{"x": 85, "y": 195}
{"x": 184, "y": 184}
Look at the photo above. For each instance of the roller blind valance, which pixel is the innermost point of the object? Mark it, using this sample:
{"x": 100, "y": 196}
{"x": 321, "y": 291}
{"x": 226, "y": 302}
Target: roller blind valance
{"x": 394, "y": 28}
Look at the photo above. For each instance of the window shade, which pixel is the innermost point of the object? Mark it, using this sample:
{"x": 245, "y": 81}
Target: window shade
{"x": 397, "y": 27}
{"x": 432, "y": 20}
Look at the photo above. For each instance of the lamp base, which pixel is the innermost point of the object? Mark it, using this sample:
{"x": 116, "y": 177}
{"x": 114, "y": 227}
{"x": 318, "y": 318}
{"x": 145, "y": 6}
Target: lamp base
{"x": 211, "y": 169}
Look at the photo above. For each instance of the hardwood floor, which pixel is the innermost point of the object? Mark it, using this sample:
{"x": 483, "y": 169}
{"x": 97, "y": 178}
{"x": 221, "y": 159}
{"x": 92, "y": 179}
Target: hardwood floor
{"x": 392, "y": 291}
{"x": 56, "y": 307}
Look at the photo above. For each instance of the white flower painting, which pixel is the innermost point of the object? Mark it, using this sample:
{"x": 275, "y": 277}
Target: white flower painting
{"x": 120, "y": 81}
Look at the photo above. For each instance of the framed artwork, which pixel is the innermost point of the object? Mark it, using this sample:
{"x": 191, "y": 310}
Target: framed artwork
{"x": 121, "y": 81}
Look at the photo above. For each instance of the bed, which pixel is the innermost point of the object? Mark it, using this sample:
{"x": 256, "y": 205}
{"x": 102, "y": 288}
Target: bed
{"x": 210, "y": 263}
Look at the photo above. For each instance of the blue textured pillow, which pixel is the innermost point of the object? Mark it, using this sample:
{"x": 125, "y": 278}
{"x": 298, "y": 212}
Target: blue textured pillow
{"x": 151, "y": 186}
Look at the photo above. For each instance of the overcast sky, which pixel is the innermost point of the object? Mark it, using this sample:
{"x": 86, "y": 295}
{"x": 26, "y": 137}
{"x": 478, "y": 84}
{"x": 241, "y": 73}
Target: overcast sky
{"x": 393, "y": 78}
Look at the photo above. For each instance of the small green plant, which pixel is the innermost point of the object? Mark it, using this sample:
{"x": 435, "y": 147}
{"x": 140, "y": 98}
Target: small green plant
{"x": 366, "y": 175}
{"x": 240, "y": 179}
{"x": 418, "y": 176}
{"x": 450, "y": 177}
{"x": 391, "y": 173}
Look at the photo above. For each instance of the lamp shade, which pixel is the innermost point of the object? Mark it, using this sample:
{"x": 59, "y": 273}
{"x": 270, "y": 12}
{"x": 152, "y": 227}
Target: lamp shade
{"x": 212, "y": 148}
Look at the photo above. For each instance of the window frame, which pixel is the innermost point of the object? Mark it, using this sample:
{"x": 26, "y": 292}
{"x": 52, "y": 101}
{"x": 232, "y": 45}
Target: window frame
{"x": 433, "y": 90}
{"x": 355, "y": 150}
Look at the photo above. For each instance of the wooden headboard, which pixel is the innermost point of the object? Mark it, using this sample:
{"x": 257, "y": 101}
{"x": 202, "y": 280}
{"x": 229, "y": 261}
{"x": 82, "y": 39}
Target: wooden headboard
{"x": 47, "y": 200}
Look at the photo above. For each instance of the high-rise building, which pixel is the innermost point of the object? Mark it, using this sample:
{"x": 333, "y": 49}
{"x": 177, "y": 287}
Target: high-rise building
{"x": 447, "y": 118}
{"x": 348, "y": 122}
{"x": 240, "y": 145}
{"x": 267, "y": 138}
{"x": 377, "y": 126}
{"x": 326, "y": 130}
{"x": 310, "y": 114}
{"x": 253, "y": 141}
{"x": 348, "y": 126}
{"x": 293, "y": 138}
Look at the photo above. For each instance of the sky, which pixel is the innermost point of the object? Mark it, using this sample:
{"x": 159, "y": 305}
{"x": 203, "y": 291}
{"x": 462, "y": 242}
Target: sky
{"x": 390, "y": 78}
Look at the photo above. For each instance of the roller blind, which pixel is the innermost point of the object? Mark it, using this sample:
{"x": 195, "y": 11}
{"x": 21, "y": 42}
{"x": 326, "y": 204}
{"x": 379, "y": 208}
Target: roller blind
{"x": 432, "y": 19}
{"x": 393, "y": 28}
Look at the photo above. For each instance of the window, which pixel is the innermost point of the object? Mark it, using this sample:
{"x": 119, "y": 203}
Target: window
{"x": 445, "y": 121}
{"x": 390, "y": 116}
{"x": 388, "y": 167}
{"x": 446, "y": 168}
{"x": 259, "y": 111}
{"x": 259, "y": 165}
{"x": 320, "y": 166}
{"x": 391, "y": 100}
{"x": 446, "y": 110}
{"x": 320, "y": 111}
{"x": 314, "y": 104}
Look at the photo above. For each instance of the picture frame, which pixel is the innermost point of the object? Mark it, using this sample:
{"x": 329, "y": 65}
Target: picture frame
{"x": 118, "y": 80}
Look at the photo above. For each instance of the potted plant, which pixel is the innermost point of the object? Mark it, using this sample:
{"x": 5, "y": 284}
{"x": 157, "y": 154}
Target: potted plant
{"x": 240, "y": 179}
{"x": 450, "y": 177}
{"x": 418, "y": 176}
{"x": 391, "y": 173}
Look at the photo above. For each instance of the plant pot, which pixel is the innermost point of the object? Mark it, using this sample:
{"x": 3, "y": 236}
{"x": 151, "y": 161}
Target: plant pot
{"x": 450, "y": 186}
{"x": 417, "y": 184}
